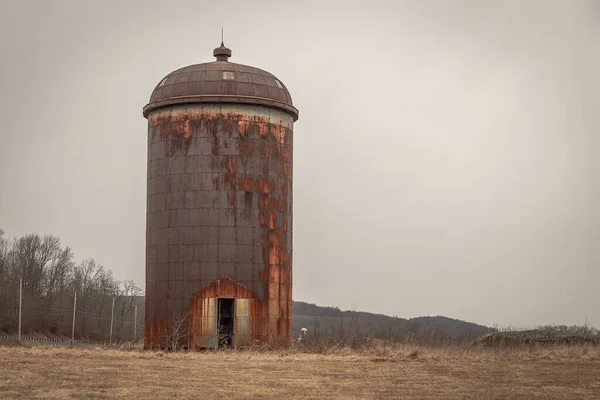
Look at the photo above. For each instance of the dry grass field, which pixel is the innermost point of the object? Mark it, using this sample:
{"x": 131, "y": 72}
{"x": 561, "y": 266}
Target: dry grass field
{"x": 46, "y": 372}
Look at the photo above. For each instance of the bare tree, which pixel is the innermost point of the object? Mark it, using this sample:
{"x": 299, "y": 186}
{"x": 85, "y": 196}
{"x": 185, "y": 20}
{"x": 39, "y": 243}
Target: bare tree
{"x": 178, "y": 333}
{"x": 6, "y": 311}
{"x": 31, "y": 255}
{"x": 128, "y": 292}
{"x": 4, "y": 263}
{"x": 95, "y": 288}
{"x": 58, "y": 272}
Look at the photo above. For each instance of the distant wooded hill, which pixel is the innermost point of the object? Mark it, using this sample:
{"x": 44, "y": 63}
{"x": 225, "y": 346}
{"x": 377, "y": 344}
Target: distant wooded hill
{"x": 331, "y": 323}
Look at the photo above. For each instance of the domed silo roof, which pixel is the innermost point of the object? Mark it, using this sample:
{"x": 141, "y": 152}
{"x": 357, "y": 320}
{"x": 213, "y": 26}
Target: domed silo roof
{"x": 221, "y": 81}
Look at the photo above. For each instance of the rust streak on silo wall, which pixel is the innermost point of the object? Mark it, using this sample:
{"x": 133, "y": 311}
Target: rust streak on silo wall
{"x": 219, "y": 203}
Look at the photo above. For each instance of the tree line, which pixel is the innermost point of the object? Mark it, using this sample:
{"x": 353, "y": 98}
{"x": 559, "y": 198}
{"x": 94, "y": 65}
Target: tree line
{"x": 50, "y": 279}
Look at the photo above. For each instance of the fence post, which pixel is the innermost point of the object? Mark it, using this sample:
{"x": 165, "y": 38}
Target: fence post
{"x": 112, "y": 314}
{"x": 20, "y": 304}
{"x": 74, "y": 310}
{"x": 135, "y": 324}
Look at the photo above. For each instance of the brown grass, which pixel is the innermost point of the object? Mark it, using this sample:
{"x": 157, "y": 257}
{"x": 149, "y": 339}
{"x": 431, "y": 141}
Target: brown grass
{"x": 381, "y": 371}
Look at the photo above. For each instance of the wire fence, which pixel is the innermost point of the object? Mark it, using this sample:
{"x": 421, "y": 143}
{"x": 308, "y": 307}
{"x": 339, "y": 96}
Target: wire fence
{"x": 91, "y": 320}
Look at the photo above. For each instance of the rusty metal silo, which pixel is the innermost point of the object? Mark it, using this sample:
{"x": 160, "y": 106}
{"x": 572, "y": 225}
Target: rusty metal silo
{"x": 219, "y": 206}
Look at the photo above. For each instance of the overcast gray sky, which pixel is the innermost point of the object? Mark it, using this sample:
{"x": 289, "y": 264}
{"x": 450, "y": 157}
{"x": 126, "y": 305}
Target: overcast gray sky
{"x": 445, "y": 158}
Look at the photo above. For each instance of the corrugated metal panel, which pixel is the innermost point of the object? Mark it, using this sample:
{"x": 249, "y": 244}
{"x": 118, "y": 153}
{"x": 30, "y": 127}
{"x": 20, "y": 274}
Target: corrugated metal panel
{"x": 209, "y": 323}
{"x": 243, "y": 332}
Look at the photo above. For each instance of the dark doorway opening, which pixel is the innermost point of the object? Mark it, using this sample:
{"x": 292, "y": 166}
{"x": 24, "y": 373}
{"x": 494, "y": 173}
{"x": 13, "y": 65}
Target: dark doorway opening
{"x": 225, "y": 322}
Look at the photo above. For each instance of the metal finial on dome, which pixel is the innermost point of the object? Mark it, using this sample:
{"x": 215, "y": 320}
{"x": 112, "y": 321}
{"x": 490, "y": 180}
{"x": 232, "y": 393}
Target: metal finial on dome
{"x": 222, "y": 53}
